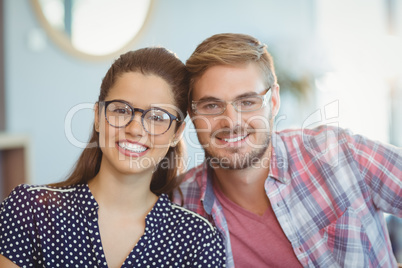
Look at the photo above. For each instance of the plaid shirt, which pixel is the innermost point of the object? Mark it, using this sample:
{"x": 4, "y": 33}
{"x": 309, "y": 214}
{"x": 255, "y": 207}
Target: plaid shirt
{"x": 328, "y": 189}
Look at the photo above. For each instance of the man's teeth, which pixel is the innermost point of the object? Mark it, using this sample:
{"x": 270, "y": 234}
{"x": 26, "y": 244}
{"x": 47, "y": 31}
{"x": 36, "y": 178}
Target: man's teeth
{"x": 136, "y": 148}
{"x": 235, "y": 139}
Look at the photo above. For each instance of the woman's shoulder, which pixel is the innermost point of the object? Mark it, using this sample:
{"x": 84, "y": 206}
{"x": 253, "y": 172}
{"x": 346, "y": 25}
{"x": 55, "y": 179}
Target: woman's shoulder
{"x": 188, "y": 219}
{"x": 191, "y": 217}
{"x": 34, "y": 195}
{"x": 24, "y": 189}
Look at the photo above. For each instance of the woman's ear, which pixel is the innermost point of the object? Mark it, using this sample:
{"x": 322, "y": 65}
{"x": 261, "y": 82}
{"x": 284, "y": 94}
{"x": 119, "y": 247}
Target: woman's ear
{"x": 178, "y": 135}
{"x": 96, "y": 121}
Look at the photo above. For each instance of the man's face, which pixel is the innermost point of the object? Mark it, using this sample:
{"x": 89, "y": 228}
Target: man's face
{"x": 234, "y": 140}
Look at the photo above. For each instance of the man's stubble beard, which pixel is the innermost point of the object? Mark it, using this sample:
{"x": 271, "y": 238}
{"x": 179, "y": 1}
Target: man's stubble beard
{"x": 239, "y": 161}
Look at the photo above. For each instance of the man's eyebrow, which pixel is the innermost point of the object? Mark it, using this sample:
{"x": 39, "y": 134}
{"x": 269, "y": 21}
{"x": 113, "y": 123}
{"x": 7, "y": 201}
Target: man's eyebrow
{"x": 209, "y": 98}
{"x": 247, "y": 94}
{"x": 244, "y": 95}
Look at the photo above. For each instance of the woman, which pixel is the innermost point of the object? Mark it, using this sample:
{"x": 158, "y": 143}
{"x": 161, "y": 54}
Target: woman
{"x": 114, "y": 210}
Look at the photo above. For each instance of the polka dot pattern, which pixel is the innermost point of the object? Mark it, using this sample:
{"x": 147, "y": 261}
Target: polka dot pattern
{"x": 58, "y": 227}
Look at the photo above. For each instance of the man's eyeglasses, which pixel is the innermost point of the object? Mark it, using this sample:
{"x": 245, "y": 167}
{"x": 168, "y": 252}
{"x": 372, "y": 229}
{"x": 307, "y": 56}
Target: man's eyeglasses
{"x": 242, "y": 105}
{"x": 155, "y": 121}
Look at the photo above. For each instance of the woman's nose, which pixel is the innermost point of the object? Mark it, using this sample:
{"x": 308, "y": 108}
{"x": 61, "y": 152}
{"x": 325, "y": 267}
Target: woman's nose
{"x": 135, "y": 128}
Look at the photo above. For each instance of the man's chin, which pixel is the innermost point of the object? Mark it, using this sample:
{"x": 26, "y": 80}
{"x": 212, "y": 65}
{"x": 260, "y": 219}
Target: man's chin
{"x": 236, "y": 158}
{"x": 233, "y": 161}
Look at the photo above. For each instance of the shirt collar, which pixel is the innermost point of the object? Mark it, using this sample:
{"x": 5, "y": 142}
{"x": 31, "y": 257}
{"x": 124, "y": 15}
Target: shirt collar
{"x": 279, "y": 164}
{"x": 86, "y": 200}
{"x": 209, "y": 195}
{"x": 205, "y": 184}
{"x": 159, "y": 211}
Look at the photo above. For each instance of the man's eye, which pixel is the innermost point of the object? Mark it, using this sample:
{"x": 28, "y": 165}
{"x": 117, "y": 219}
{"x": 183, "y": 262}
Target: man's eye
{"x": 210, "y": 106}
{"x": 247, "y": 103}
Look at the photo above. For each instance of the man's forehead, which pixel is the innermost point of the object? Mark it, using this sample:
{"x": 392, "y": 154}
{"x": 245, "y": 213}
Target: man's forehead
{"x": 228, "y": 82}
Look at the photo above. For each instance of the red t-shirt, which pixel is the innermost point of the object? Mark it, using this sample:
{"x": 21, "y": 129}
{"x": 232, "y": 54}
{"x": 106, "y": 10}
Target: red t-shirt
{"x": 257, "y": 241}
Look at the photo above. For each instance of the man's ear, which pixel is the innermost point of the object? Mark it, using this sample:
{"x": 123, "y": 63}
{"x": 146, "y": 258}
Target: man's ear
{"x": 190, "y": 112}
{"x": 96, "y": 121}
{"x": 275, "y": 100}
{"x": 178, "y": 135}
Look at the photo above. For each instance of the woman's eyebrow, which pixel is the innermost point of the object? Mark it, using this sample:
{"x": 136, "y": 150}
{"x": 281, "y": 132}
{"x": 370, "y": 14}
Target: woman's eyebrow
{"x": 122, "y": 101}
{"x": 152, "y": 105}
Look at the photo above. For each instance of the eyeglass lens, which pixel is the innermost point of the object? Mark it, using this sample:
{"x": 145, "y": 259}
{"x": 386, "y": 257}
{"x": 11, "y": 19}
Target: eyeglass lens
{"x": 247, "y": 104}
{"x": 154, "y": 121}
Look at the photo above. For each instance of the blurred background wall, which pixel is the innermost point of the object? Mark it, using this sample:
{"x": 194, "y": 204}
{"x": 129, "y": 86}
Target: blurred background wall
{"x": 338, "y": 62}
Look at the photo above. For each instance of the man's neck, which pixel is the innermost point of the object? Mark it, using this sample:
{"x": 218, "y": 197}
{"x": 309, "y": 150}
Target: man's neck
{"x": 244, "y": 187}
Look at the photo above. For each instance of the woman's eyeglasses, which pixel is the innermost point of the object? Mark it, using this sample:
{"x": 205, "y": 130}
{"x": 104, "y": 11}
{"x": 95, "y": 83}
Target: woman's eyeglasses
{"x": 156, "y": 121}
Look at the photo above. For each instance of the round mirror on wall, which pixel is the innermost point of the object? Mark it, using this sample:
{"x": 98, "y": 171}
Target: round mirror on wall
{"x": 93, "y": 29}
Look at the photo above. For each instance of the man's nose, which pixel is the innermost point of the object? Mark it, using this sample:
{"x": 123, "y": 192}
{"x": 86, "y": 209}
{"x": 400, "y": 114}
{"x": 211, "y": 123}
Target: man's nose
{"x": 230, "y": 117}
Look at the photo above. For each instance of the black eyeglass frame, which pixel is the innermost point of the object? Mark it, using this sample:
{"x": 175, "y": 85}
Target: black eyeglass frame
{"x": 143, "y": 112}
{"x": 263, "y": 97}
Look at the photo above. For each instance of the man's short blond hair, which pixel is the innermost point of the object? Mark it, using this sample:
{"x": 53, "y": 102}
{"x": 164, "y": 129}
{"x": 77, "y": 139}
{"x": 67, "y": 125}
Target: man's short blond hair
{"x": 230, "y": 49}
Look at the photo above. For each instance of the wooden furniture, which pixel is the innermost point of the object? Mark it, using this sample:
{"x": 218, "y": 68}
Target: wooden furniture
{"x": 14, "y": 162}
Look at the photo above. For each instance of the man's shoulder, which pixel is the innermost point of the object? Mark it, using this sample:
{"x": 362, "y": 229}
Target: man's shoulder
{"x": 193, "y": 175}
{"x": 320, "y": 143}
{"x": 191, "y": 186}
{"x": 311, "y": 138}
{"x": 311, "y": 133}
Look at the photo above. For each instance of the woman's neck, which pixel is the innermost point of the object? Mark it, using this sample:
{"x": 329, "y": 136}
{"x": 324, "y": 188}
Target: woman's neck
{"x": 122, "y": 192}
{"x": 124, "y": 202}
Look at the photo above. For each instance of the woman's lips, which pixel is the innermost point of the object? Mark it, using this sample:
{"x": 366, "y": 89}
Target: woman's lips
{"x": 131, "y": 149}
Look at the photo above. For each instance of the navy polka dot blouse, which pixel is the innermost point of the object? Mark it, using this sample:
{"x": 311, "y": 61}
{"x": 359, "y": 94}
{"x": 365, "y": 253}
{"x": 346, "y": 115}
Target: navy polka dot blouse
{"x": 58, "y": 227}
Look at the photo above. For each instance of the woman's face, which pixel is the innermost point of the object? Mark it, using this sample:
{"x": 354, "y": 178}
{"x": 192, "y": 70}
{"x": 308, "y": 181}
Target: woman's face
{"x": 131, "y": 149}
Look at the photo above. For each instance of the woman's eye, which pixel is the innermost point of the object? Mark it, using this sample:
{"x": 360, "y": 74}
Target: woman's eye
{"x": 121, "y": 111}
{"x": 156, "y": 118}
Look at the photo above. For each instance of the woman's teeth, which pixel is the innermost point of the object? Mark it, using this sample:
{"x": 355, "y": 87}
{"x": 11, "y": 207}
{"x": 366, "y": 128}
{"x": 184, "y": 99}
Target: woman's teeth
{"x": 133, "y": 147}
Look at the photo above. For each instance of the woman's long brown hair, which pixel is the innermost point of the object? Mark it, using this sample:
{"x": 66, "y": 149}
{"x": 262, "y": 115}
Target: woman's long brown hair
{"x": 148, "y": 61}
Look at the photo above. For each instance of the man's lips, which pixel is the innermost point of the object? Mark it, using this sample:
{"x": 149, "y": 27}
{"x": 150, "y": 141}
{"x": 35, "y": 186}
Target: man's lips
{"x": 232, "y": 138}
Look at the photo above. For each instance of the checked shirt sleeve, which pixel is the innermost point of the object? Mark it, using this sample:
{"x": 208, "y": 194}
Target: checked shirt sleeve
{"x": 381, "y": 167}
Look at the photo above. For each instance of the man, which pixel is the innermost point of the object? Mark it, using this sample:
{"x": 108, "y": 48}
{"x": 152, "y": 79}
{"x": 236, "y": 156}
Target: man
{"x": 311, "y": 198}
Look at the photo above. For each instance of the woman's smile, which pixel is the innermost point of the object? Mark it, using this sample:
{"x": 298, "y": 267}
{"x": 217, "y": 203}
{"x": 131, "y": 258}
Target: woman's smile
{"x": 131, "y": 149}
